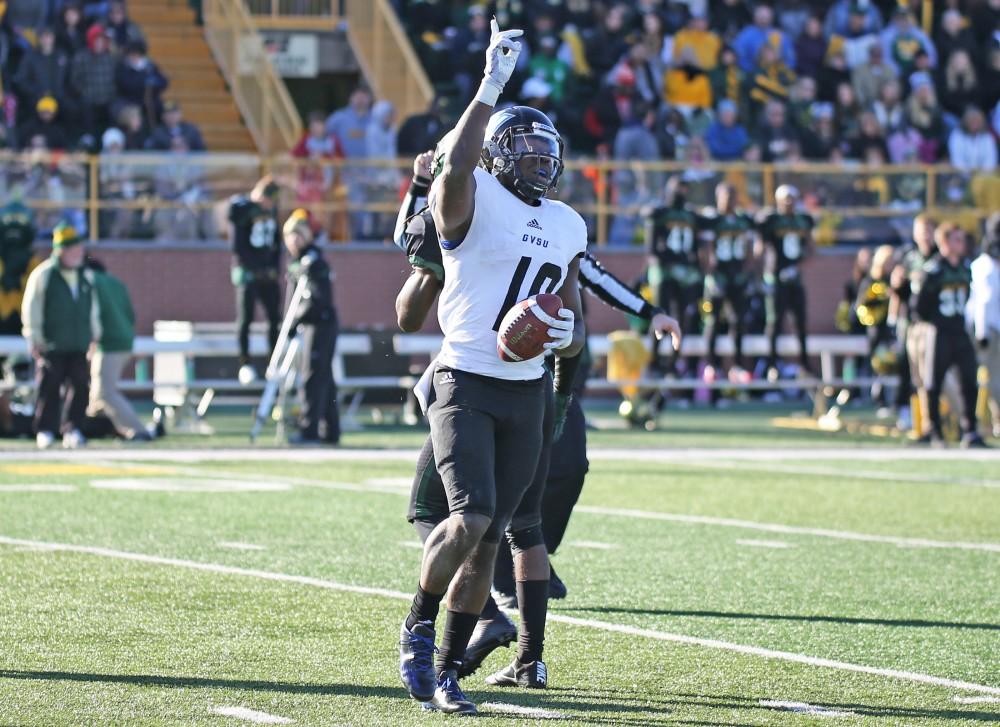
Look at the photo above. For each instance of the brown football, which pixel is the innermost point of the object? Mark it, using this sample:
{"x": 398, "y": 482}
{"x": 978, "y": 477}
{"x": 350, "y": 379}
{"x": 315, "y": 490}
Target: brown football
{"x": 524, "y": 331}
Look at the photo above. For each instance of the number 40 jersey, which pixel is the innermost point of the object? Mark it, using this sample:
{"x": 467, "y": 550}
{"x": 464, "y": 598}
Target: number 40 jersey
{"x": 511, "y": 251}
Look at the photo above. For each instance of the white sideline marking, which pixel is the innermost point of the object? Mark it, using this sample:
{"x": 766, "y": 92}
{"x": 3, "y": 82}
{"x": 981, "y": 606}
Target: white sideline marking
{"x": 38, "y": 488}
{"x": 592, "y": 544}
{"x": 976, "y": 700}
{"x": 169, "y": 484}
{"x": 788, "y": 529}
{"x": 803, "y": 708}
{"x": 765, "y": 543}
{"x": 846, "y": 473}
{"x": 240, "y": 546}
{"x": 250, "y": 715}
{"x": 586, "y": 623}
{"x": 529, "y": 712}
{"x": 416, "y": 544}
{"x": 395, "y": 483}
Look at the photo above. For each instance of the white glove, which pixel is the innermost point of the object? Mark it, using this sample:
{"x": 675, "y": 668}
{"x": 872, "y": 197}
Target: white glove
{"x": 562, "y": 330}
{"x": 501, "y": 57}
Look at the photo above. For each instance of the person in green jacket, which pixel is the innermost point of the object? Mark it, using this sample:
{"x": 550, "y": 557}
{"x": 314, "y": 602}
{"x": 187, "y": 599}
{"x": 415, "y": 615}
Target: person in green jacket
{"x": 61, "y": 319}
{"x": 114, "y": 349}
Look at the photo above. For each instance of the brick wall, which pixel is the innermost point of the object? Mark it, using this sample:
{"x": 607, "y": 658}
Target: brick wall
{"x": 191, "y": 282}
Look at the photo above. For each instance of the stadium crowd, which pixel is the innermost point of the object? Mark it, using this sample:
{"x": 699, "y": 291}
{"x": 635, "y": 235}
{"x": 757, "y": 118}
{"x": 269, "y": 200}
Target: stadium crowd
{"x": 782, "y": 81}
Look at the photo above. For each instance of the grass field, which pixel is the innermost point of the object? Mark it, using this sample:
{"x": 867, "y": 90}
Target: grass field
{"x": 721, "y": 572}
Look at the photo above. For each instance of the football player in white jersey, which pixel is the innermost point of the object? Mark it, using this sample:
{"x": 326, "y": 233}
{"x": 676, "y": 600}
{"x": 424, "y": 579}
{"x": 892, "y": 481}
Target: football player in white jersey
{"x": 502, "y": 241}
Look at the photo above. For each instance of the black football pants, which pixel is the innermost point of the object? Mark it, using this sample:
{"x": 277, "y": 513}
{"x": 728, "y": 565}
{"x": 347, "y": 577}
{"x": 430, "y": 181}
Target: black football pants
{"x": 952, "y": 348}
{"x": 268, "y": 293}
{"x": 320, "y": 390}
{"x": 787, "y": 298}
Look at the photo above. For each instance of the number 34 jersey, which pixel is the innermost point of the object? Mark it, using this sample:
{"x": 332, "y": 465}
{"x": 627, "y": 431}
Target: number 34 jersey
{"x": 511, "y": 251}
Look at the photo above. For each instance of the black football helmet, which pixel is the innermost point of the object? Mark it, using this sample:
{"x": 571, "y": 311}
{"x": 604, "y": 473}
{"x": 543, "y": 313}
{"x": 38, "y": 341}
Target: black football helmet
{"x": 517, "y": 133}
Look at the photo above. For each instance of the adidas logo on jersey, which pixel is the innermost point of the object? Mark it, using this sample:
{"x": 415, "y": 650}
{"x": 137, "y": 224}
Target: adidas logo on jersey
{"x": 446, "y": 377}
{"x": 534, "y": 223}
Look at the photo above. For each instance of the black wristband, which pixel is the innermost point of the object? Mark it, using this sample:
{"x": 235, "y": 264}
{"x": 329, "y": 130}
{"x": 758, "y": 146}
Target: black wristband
{"x": 420, "y": 186}
{"x": 565, "y": 373}
{"x": 650, "y": 311}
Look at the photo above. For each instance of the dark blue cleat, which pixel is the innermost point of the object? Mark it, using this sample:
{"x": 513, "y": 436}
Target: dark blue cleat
{"x": 449, "y": 697}
{"x": 416, "y": 661}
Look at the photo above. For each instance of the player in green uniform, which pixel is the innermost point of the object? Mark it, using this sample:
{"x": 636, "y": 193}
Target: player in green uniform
{"x": 941, "y": 294}
{"x": 787, "y": 238}
{"x": 674, "y": 273}
{"x": 730, "y": 235}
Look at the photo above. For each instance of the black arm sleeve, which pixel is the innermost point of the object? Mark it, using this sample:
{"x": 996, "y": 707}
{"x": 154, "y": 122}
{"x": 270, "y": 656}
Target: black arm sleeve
{"x": 611, "y": 290}
{"x": 565, "y": 373}
{"x": 927, "y": 298}
{"x": 414, "y": 200}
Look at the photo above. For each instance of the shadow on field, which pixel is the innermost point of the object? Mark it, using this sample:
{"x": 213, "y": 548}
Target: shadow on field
{"x": 908, "y": 623}
{"x": 578, "y": 706}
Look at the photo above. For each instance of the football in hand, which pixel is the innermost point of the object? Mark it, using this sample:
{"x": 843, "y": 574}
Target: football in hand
{"x": 524, "y": 331}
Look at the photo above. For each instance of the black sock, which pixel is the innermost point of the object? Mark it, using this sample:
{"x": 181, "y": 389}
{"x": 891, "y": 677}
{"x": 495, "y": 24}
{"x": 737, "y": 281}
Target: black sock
{"x": 533, "y": 603}
{"x": 425, "y": 608}
{"x": 490, "y": 610}
{"x": 458, "y": 630}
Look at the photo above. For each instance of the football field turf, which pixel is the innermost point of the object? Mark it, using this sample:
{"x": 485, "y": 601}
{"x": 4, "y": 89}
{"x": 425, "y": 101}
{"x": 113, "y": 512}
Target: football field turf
{"x": 782, "y": 579}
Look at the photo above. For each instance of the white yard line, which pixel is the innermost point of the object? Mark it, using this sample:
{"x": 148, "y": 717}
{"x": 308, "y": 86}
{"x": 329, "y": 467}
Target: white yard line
{"x": 37, "y": 488}
{"x": 517, "y": 709}
{"x": 803, "y": 708}
{"x": 591, "y": 545}
{"x": 975, "y": 700}
{"x": 250, "y": 715}
{"x": 415, "y": 544}
{"x": 585, "y": 623}
{"x": 776, "y": 544}
{"x": 788, "y": 529}
{"x": 880, "y": 455}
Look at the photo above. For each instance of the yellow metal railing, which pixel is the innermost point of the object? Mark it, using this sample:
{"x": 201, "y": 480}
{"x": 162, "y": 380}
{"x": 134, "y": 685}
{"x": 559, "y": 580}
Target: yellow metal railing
{"x": 185, "y": 196}
{"x": 387, "y": 57}
{"x": 295, "y": 14}
{"x": 259, "y": 92}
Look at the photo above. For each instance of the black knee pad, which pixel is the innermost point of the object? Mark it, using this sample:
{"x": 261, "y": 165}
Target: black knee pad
{"x": 525, "y": 539}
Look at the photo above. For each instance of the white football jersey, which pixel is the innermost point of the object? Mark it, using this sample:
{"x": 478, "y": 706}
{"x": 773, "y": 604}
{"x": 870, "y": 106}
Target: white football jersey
{"x": 512, "y": 251}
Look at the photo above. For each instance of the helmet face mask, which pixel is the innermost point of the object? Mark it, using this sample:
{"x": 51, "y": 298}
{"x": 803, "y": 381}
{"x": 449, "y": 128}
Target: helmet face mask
{"x": 523, "y": 151}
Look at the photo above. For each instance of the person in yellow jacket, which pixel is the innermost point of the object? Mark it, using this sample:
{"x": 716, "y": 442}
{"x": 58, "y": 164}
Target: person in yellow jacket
{"x": 61, "y": 320}
{"x": 686, "y": 85}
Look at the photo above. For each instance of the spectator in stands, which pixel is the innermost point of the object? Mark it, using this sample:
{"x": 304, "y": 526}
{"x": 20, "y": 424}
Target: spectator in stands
{"x": 730, "y": 17}
{"x": 45, "y": 124}
{"x": 139, "y": 81}
{"x": 954, "y": 35}
{"x": 315, "y": 179}
{"x": 421, "y": 132}
{"x": 867, "y": 78}
{"x": 904, "y": 145}
{"x": 546, "y": 65}
{"x": 820, "y": 141}
{"x": 726, "y": 138}
{"x": 857, "y": 41}
{"x": 686, "y": 85}
{"x": 833, "y": 73}
{"x": 958, "y": 87}
{"x": 903, "y": 39}
{"x": 801, "y": 98}
{"x": 704, "y": 43}
{"x": 792, "y": 17}
{"x": 771, "y": 80}
{"x": 727, "y": 80}
{"x": 609, "y": 41}
{"x": 122, "y": 30}
{"x": 116, "y": 182}
{"x": 183, "y": 184}
{"x": 762, "y": 33}
{"x": 614, "y": 104}
{"x": 924, "y": 115}
{"x": 382, "y": 182}
{"x": 848, "y": 110}
{"x": 61, "y": 319}
{"x": 70, "y": 35}
{"x": 114, "y": 349}
{"x": 991, "y": 77}
{"x": 838, "y": 17}
{"x": 810, "y": 48}
{"x": 971, "y": 146}
{"x": 43, "y": 72}
{"x": 130, "y": 122}
{"x": 889, "y": 107}
{"x": 93, "y": 77}
{"x": 777, "y": 139}
{"x": 350, "y": 126}
{"x": 635, "y": 140}
{"x": 659, "y": 47}
{"x": 870, "y": 135}
{"x": 174, "y": 126}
